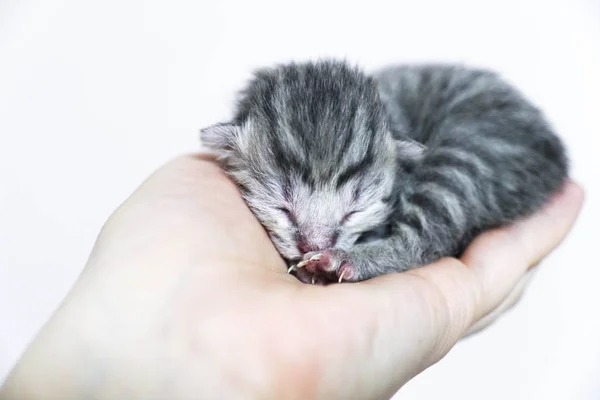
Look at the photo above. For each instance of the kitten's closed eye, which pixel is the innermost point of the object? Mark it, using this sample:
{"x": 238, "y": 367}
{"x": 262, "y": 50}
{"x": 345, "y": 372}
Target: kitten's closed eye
{"x": 288, "y": 213}
{"x": 348, "y": 215}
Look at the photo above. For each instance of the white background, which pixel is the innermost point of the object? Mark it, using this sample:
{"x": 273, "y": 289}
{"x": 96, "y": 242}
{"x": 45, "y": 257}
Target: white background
{"x": 95, "y": 95}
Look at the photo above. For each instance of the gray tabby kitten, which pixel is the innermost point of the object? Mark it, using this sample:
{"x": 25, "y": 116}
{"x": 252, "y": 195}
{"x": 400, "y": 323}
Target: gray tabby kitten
{"x": 355, "y": 176}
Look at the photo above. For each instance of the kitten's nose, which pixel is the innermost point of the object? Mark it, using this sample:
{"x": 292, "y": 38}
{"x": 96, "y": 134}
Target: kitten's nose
{"x": 304, "y": 246}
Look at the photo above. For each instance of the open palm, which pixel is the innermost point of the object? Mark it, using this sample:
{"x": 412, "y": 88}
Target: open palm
{"x": 184, "y": 297}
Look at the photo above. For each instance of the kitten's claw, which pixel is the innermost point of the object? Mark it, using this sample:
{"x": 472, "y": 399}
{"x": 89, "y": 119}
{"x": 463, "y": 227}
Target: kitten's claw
{"x": 290, "y": 269}
{"x": 312, "y": 280}
{"x": 301, "y": 264}
{"x": 329, "y": 266}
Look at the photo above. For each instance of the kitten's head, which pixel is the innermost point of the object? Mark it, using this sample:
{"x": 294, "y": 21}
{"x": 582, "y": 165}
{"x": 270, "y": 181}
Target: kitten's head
{"x": 311, "y": 153}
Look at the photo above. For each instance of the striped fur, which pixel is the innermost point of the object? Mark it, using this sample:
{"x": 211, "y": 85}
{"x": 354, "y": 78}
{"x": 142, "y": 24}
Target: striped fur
{"x": 393, "y": 170}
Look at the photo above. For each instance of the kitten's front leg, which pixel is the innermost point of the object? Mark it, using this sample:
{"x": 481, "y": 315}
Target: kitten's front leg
{"x": 400, "y": 252}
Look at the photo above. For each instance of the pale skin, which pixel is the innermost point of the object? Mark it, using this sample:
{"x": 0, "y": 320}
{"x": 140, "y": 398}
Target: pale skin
{"x": 185, "y": 297}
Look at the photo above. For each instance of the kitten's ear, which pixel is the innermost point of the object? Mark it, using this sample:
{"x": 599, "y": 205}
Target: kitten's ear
{"x": 220, "y": 139}
{"x": 409, "y": 151}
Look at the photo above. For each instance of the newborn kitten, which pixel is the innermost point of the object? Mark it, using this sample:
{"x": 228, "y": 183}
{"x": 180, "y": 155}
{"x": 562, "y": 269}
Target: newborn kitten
{"x": 355, "y": 176}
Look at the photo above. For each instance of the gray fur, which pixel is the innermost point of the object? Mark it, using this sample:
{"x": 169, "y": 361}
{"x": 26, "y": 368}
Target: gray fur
{"x": 383, "y": 173}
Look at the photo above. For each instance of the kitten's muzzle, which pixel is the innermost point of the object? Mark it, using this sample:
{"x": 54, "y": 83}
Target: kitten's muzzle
{"x": 305, "y": 246}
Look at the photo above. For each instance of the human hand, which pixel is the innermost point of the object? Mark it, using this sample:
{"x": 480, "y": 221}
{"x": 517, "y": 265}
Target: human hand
{"x": 185, "y": 297}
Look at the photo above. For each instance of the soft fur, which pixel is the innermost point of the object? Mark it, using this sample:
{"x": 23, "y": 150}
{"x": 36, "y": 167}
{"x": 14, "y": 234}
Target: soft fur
{"x": 358, "y": 176}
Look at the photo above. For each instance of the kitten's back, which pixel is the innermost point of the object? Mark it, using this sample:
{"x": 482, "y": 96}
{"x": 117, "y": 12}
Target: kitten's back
{"x": 422, "y": 99}
{"x": 479, "y": 130}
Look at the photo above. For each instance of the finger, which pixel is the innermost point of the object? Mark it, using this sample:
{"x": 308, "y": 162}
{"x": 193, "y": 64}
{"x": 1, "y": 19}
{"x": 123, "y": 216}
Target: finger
{"x": 510, "y": 301}
{"x": 400, "y": 324}
{"x": 501, "y": 257}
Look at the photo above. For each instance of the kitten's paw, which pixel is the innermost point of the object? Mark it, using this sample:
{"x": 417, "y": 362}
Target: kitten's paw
{"x": 310, "y": 278}
{"x": 328, "y": 266}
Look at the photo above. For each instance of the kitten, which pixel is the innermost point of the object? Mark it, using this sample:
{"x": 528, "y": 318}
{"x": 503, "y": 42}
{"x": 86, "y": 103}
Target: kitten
{"x": 355, "y": 176}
